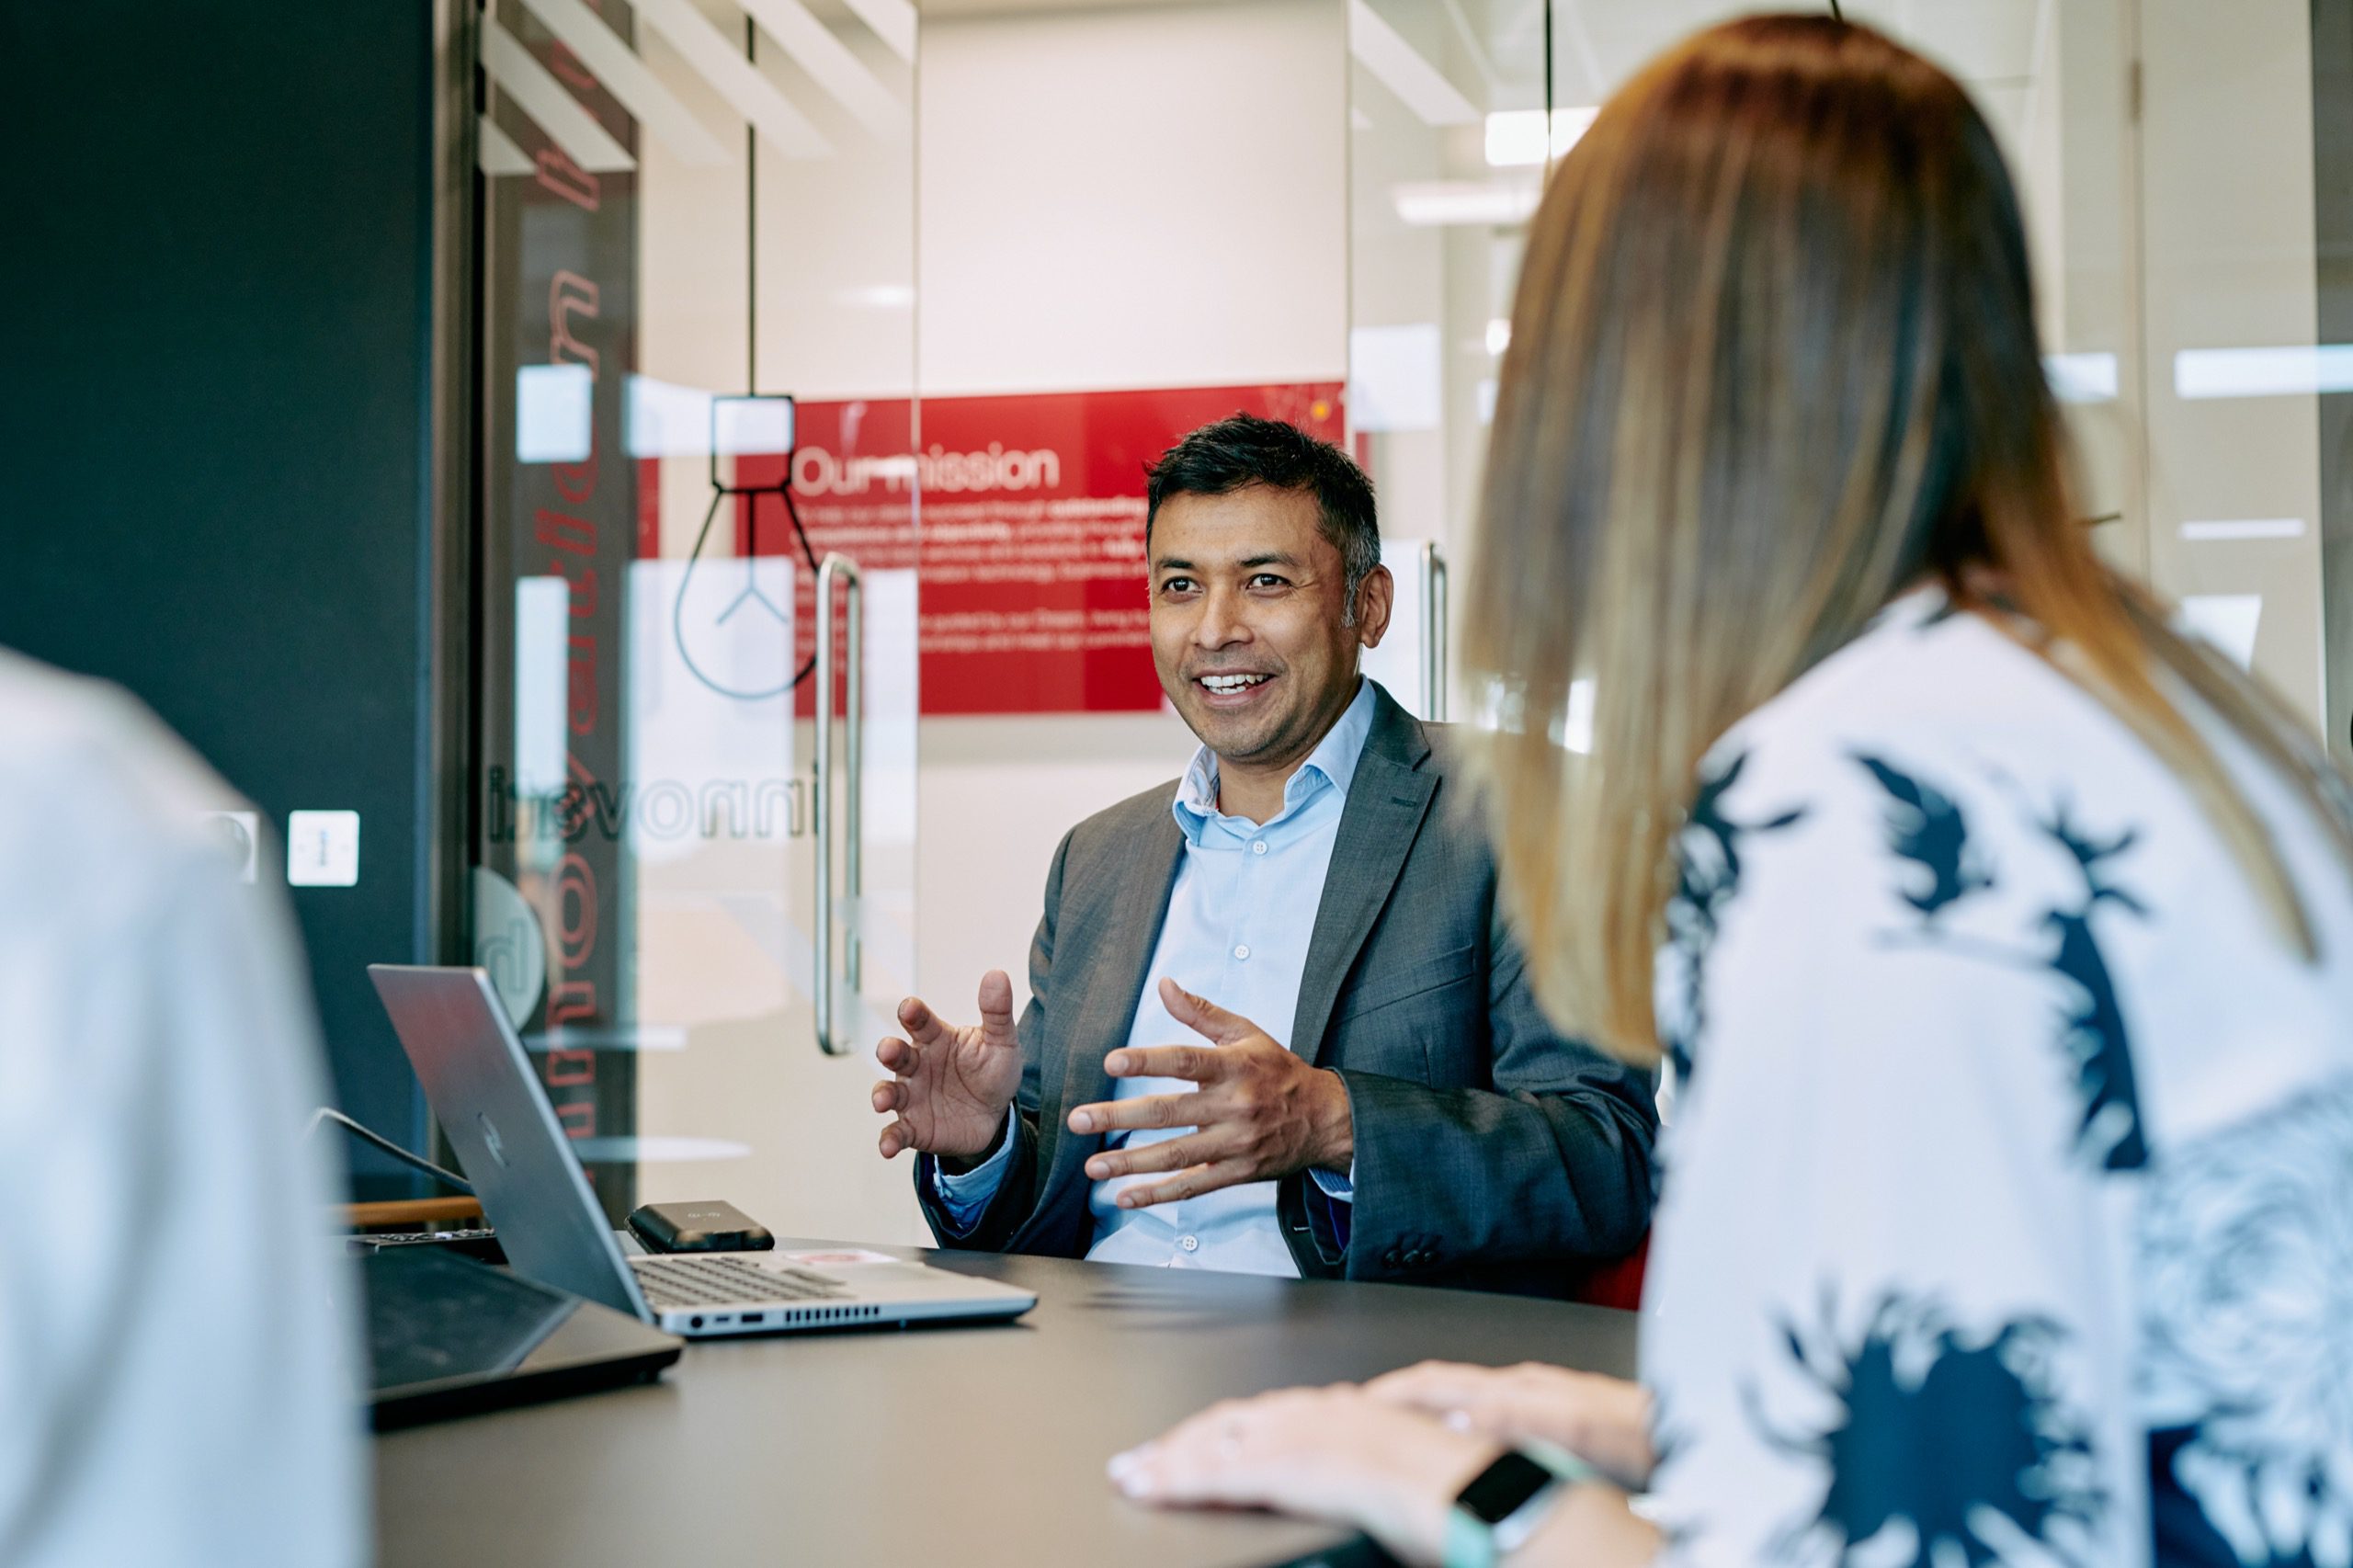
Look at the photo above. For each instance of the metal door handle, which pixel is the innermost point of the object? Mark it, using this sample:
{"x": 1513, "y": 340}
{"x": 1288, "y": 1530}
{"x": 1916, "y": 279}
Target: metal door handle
{"x": 1434, "y": 631}
{"x": 842, "y": 569}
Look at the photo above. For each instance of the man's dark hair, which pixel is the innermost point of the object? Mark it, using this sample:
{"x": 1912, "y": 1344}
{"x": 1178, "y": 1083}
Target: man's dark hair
{"x": 1242, "y": 449}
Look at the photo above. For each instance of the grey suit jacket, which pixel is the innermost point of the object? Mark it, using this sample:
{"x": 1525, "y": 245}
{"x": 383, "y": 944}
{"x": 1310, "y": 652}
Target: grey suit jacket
{"x": 1490, "y": 1151}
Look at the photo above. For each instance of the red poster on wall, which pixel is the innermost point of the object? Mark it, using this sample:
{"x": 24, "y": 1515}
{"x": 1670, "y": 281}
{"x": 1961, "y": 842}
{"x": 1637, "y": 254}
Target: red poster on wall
{"x": 1031, "y": 586}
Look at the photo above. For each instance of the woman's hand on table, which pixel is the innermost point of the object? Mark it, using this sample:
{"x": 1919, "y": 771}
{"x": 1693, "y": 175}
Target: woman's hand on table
{"x": 1603, "y": 1421}
{"x": 1336, "y": 1453}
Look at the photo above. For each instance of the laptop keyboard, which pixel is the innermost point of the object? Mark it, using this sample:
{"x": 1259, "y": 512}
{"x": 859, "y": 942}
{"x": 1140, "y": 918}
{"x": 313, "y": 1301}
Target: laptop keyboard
{"x": 425, "y": 1238}
{"x": 472, "y": 1242}
{"x": 676, "y": 1281}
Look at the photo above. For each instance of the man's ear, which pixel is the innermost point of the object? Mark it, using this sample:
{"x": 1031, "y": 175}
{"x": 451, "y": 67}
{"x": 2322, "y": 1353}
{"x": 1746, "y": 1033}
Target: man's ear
{"x": 1375, "y": 597}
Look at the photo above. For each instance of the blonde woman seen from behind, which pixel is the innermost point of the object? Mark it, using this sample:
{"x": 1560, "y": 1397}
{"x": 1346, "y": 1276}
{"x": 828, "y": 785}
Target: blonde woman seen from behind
{"x": 2002, "y": 936}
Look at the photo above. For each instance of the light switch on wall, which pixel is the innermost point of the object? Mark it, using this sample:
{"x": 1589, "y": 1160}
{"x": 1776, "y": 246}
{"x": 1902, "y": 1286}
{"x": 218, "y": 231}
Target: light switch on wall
{"x": 322, "y": 849}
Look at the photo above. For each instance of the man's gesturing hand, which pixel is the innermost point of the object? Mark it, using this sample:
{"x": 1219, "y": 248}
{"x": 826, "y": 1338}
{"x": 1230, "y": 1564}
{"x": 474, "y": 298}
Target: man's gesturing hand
{"x": 1260, "y": 1112}
{"x": 952, "y": 1084}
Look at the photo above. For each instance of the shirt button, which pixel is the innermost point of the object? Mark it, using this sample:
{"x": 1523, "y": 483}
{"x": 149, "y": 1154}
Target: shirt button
{"x": 1190, "y": 1244}
{"x": 1260, "y": 848}
{"x": 1242, "y": 951}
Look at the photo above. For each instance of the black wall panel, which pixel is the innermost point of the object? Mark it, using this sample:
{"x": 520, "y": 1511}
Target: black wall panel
{"x": 215, "y": 396}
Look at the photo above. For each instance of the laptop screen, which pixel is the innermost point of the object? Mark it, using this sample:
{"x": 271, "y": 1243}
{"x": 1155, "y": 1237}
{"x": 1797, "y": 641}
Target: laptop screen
{"x": 496, "y": 1117}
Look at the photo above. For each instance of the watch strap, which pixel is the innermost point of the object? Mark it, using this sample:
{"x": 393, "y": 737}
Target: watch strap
{"x": 1470, "y": 1542}
{"x": 1567, "y": 1466}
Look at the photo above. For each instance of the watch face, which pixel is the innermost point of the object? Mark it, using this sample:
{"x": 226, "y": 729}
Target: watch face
{"x": 1498, "y": 1491}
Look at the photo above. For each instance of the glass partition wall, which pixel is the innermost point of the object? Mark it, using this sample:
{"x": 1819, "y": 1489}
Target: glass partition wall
{"x": 698, "y": 285}
{"x": 2182, "y": 165}
{"x": 700, "y": 293}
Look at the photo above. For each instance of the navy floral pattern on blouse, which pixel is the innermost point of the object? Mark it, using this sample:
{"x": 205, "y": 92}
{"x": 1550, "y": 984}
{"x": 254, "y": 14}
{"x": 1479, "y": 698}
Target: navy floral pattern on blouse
{"x": 2009, "y": 1215}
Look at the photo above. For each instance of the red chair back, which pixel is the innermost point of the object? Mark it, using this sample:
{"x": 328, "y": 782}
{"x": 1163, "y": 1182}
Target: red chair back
{"x": 1617, "y": 1283}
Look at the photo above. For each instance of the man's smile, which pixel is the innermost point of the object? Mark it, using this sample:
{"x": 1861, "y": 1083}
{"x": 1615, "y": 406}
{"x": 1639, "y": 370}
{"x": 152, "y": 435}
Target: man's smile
{"x": 1231, "y": 690}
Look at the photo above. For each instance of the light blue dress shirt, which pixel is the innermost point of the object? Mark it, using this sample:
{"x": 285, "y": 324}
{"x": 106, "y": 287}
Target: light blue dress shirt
{"x": 1239, "y": 920}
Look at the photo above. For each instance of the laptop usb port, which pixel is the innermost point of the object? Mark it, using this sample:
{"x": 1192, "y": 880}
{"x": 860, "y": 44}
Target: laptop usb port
{"x": 754, "y": 1317}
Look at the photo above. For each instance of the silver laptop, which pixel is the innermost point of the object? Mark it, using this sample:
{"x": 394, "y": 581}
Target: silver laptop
{"x": 536, "y": 1197}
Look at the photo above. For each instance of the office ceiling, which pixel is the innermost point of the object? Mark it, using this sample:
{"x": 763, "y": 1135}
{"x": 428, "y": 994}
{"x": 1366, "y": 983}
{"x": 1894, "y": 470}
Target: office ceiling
{"x": 1479, "y": 56}
{"x": 961, "y": 9}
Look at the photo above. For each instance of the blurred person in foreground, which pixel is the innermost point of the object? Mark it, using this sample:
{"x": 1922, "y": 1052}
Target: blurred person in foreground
{"x": 2002, "y": 936}
{"x": 175, "y": 1384}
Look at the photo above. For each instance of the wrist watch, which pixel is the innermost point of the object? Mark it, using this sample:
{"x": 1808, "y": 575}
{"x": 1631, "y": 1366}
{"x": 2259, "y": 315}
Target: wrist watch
{"x": 1505, "y": 1503}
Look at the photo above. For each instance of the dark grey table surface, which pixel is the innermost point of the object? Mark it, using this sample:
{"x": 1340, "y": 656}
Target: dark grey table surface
{"x": 974, "y": 1446}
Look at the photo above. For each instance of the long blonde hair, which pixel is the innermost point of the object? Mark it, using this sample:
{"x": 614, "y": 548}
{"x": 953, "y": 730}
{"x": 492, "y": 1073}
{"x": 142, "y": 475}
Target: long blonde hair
{"x": 1773, "y": 360}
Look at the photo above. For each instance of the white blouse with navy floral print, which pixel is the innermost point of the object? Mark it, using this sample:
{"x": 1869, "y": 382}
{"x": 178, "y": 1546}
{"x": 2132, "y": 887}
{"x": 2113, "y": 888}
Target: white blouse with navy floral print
{"x": 2007, "y": 1206}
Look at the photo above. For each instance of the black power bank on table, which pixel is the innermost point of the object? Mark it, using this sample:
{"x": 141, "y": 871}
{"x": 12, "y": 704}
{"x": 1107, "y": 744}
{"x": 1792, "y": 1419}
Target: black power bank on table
{"x": 705, "y": 1225}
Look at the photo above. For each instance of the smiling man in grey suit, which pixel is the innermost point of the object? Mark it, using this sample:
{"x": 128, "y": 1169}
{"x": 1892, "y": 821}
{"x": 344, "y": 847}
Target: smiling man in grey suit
{"x": 1370, "y": 1091}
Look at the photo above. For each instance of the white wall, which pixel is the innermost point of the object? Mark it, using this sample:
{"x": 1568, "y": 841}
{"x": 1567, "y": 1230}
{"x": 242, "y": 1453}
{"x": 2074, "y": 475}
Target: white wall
{"x": 1155, "y": 197}
{"x": 997, "y": 795}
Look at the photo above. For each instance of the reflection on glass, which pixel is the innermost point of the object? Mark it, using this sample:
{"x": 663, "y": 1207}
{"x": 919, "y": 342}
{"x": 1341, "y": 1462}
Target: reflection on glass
{"x": 688, "y": 205}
